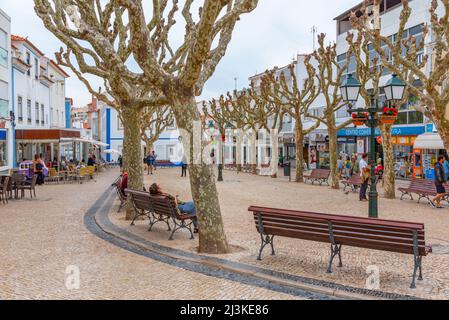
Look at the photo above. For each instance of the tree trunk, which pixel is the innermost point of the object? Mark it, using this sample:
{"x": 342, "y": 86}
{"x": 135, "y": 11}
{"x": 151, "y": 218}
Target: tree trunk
{"x": 212, "y": 238}
{"x": 335, "y": 182}
{"x": 388, "y": 176}
{"x": 132, "y": 153}
{"x": 238, "y": 150}
{"x": 253, "y": 146}
{"x": 299, "y": 134}
{"x": 442, "y": 125}
{"x": 274, "y": 152}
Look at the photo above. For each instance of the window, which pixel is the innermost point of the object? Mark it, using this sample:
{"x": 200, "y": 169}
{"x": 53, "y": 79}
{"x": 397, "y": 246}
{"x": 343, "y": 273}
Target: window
{"x": 20, "y": 109}
{"x": 28, "y": 61}
{"x": 3, "y": 48}
{"x": 3, "y": 153}
{"x": 4, "y": 99}
{"x": 36, "y": 68}
{"x": 51, "y": 116}
{"x": 119, "y": 124}
{"x": 36, "y": 112}
{"x": 29, "y": 111}
{"x": 42, "y": 114}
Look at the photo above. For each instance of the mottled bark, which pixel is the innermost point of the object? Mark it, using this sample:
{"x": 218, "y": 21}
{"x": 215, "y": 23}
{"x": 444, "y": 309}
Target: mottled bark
{"x": 335, "y": 182}
{"x": 132, "y": 154}
{"x": 388, "y": 176}
{"x": 274, "y": 153}
{"x": 253, "y": 147}
{"x": 212, "y": 238}
{"x": 238, "y": 152}
{"x": 299, "y": 134}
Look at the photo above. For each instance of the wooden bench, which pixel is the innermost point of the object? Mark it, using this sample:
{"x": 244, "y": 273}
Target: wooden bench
{"x": 421, "y": 187}
{"x": 338, "y": 230}
{"x": 143, "y": 207}
{"x": 160, "y": 209}
{"x": 121, "y": 195}
{"x": 318, "y": 175}
{"x": 355, "y": 182}
{"x": 164, "y": 164}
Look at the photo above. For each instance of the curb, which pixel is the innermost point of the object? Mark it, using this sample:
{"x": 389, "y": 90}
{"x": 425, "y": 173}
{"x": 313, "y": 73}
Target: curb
{"x": 216, "y": 267}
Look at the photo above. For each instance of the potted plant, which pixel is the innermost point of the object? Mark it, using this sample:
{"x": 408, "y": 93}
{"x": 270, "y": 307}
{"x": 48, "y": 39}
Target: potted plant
{"x": 359, "y": 118}
{"x": 389, "y": 115}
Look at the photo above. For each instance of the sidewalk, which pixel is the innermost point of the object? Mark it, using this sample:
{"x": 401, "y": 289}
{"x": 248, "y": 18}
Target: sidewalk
{"x": 305, "y": 258}
{"x": 41, "y": 238}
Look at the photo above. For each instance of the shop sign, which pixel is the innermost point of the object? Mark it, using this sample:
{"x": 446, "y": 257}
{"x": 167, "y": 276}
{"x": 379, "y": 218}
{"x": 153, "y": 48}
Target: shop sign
{"x": 322, "y": 147}
{"x": 395, "y": 131}
{"x": 347, "y": 140}
{"x": 360, "y": 146}
{"x": 2, "y": 135}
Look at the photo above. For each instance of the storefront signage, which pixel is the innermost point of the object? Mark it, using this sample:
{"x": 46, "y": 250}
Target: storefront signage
{"x": 347, "y": 140}
{"x": 2, "y": 134}
{"x": 396, "y": 131}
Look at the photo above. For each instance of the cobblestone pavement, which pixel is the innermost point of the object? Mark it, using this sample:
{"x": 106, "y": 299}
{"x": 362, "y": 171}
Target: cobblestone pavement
{"x": 41, "y": 238}
{"x": 305, "y": 258}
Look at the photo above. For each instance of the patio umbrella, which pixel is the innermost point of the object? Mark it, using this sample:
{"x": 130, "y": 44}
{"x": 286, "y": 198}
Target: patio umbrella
{"x": 112, "y": 151}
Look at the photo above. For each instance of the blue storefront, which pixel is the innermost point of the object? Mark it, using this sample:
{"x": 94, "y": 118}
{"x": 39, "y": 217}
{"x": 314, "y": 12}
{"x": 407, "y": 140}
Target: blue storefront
{"x": 3, "y": 148}
{"x": 356, "y": 140}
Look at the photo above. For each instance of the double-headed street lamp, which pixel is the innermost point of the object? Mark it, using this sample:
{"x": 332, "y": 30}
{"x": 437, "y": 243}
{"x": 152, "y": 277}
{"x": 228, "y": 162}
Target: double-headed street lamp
{"x": 223, "y": 140}
{"x": 394, "y": 91}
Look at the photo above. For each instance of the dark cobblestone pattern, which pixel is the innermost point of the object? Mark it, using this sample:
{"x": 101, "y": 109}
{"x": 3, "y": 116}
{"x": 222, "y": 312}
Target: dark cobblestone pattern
{"x": 98, "y": 216}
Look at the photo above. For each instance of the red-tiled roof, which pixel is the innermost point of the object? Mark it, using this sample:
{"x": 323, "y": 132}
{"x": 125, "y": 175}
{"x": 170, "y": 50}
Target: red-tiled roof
{"x": 53, "y": 63}
{"x": 22, "y": 39}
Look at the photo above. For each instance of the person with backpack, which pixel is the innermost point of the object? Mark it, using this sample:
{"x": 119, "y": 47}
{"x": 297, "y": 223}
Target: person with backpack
{"x": 439, "y": 183}
{"x": 38, "y": 168}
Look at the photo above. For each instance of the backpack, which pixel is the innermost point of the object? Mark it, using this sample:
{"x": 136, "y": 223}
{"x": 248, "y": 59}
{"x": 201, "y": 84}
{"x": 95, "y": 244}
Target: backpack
{"x": 39, "y": 166}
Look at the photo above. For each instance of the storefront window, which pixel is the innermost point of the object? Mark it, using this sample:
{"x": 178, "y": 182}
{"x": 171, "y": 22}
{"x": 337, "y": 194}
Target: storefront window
{"x": 415, "y": 117}
{"x": 3, "y": 153}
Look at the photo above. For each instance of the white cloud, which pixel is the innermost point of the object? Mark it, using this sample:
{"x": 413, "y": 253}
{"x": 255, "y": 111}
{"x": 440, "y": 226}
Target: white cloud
{"x": 269, "y": 36}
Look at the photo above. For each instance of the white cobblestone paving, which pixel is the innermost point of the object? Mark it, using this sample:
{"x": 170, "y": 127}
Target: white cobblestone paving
{"x": 305, "y": 258}
{"x": 40, "y": 238}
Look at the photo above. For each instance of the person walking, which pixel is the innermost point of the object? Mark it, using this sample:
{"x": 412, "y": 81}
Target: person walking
{"x": 151, "y": 161}
{"x": 439, "y": 183}
{"x": 38, "y": 168}
{"x": 347, "y": 168}
{"x": 446, "y": 169}
{"x": 184, "y": 166}
{"x": 365, "y": 175}
{"x": 340, "y": 166}
{"x": 355, "y": 167}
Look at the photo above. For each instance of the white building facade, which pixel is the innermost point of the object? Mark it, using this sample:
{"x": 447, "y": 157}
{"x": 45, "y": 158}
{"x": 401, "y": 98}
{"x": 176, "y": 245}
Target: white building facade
{"x": 168, "y": 147}
{"x": 411, "y": 123}
{"x": 6, "y": 128}
{"x": 39, "y": 102}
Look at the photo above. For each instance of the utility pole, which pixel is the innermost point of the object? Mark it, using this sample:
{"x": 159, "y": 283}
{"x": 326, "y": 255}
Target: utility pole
{"x": 314, "y": 31}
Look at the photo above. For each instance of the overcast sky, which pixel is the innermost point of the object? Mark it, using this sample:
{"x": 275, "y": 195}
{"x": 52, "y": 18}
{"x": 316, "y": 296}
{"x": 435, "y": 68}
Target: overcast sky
{"x": 270, "y": 36}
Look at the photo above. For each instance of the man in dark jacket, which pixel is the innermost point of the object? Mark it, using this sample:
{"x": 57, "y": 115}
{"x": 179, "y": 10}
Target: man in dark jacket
{"x": 439, "y": 183}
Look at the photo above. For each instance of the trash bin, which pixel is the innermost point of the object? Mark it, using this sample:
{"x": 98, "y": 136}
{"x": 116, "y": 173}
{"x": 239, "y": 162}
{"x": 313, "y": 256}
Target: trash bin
{"x": 287, "y": 170}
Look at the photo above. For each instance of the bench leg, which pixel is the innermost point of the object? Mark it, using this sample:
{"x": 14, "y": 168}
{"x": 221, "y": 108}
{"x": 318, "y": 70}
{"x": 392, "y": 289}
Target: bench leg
{"x": 418, "y": 266}
{"x": 154, "y": 220}
{"x": 265, "y": 240}
{"x": 335, "y": 250}
{"x": 182, "y": 225}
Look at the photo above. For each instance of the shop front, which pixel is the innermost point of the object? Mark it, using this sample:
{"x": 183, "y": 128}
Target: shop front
{"x": 49, "y": 143}
{"x": 403, "y": 139}
{"x": 318, "y": 150}
{"x": 426, "y": 150}
{"x": 3, "y": 149}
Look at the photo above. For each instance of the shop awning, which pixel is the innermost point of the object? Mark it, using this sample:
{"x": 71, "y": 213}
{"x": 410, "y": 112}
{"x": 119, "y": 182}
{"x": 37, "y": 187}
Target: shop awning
{"x": 429, "y": 141}
{"x": 94, "y": 142}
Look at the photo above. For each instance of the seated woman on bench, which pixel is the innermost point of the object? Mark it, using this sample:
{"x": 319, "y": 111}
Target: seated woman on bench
{"x": 184, "y": 207}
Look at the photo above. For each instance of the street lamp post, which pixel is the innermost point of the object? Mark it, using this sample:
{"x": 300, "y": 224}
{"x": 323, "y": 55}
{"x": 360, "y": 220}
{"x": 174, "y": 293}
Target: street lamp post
{"x": 394, "y": 91}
